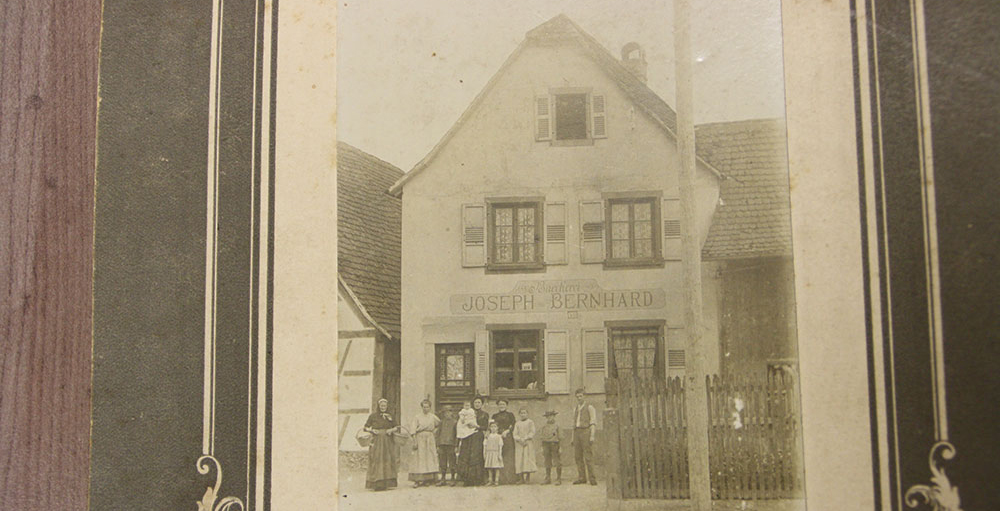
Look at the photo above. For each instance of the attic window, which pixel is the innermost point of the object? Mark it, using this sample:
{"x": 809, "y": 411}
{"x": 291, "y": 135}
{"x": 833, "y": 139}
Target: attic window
{"x": 573, "y": 116}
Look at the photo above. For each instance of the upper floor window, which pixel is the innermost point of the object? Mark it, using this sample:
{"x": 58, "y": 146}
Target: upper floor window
{"x": 633, "y": 224}
{"x": 571, "y": 116}
{"x": 515, "y": 234}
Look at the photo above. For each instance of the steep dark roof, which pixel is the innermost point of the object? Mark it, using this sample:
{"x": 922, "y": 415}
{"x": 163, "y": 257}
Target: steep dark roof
{"x": 562, "y": 30}
{"x": 369, "y": 227}
{"x": 753, "y": 219}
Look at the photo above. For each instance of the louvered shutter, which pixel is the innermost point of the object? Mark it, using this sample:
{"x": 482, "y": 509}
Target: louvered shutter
{"x": 591, "y": 231}
{"x": 671, "y": 214}
{"x": 473, "y": 235}
{"x": 555, "y": 233}
{"x": 598, "y": 118}
{"x": 543, "y": 118}
{"x": 483, "y": 363}
{"x": 676, "y": 354}
{"x": 557, "y": 361}
{"x": 595, "y": 359}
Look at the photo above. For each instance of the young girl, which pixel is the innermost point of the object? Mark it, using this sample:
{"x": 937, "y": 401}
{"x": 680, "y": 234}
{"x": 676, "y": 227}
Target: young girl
{"x": 524, "y": 447}
{"x": 491, "y": 452}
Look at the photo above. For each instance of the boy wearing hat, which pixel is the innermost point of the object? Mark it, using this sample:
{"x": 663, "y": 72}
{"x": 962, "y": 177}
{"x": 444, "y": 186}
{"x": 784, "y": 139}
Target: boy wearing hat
{"x": 549, "y": 436}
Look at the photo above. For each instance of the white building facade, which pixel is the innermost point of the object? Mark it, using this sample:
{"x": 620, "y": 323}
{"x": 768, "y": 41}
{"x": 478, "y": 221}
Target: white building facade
{"x": 541, "y": 236}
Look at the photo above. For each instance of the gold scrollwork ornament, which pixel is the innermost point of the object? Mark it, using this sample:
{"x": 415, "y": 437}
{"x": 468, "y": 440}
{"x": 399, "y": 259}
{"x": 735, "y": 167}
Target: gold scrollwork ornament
{"x": 940, "y": 495}
{"x": 208, "y": 501}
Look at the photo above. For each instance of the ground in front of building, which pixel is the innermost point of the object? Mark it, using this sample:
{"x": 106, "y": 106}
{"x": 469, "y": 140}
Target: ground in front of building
{"x": 530, "y": 497}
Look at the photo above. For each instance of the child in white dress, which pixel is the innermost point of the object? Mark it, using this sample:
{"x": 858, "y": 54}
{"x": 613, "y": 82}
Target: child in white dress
{"x": 491, "y": 452}
{"x": 524, "y": 447}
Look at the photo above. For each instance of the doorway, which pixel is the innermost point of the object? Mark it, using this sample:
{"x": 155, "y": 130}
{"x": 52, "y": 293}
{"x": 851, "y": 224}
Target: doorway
{"x": 455, "y": 374}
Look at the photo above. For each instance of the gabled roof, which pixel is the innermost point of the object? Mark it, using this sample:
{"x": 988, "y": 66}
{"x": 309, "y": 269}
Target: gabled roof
{"x": 561, "y": 30}
{"x": 369, "y": 229}
{"x": 754, "y": 218}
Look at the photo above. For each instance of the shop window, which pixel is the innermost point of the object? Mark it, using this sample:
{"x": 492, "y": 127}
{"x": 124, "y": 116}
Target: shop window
{"x": 636, "y": 352}
{"x": 515, "y": 235}
{"x": 633, "y": 231}
{"x": 517, "y": 361}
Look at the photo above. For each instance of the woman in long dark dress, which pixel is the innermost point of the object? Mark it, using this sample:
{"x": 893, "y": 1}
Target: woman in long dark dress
{"x": 383, "y": 460}
{"x": 505, "y": 424}
{"x": 471, "y": 462}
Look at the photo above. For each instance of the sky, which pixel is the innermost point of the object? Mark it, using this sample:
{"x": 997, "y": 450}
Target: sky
{"x": 407, "y": 69}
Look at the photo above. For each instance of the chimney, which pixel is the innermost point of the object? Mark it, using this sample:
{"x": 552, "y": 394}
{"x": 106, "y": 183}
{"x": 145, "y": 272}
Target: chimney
{"x": 634, "y": 59}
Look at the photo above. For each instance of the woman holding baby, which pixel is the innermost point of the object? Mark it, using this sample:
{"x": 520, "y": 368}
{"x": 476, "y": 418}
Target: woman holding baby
{"x": 472, "y": 423}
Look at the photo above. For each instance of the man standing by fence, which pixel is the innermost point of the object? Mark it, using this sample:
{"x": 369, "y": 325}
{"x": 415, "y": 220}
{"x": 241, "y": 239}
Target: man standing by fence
{"x": 584, "y": 429}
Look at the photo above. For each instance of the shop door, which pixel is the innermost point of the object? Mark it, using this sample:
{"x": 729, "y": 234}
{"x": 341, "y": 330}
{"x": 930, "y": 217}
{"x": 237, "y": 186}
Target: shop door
{"x": 455, "y": 374}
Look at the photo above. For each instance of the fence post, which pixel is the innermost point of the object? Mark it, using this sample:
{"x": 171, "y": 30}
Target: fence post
{"x": 612, "y": 459}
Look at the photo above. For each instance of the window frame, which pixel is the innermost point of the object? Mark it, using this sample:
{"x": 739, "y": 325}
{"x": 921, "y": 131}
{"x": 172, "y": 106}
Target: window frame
{"x": 538, "y": 330}
{"x": 588, "y": 94}
{"x": 659, "y": 360}
{"x": 656, "y": 219}
{"x": 492, "y": 204}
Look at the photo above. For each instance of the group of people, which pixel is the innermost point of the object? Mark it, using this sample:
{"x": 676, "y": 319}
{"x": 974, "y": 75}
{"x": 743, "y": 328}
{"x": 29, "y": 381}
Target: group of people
{"x": 475, "y": 448}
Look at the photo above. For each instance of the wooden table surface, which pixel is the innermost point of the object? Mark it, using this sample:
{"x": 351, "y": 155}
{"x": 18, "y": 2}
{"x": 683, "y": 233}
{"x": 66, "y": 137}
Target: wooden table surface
{"x": 48, "y": 111}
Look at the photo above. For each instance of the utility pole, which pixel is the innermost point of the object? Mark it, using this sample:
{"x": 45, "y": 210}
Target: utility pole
{"x": 696, "y": 399}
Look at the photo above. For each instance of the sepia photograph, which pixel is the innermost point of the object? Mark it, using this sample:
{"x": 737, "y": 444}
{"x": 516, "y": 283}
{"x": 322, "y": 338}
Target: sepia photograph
{"x": 558, "y": 285}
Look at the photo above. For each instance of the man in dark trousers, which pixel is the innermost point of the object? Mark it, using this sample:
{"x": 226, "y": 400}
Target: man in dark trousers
{"x": 584, "y": 429}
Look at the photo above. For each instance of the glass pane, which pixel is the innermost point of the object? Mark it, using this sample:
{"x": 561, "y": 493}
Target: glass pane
{"x": 503, "y": 340}
{"x": 504, "y": 380}
{"x": 619, "y": 230}
{"x": 643, "y": 230}
{"x": 619, "y": 249}
{"x": 571, "y": 116}
{"x": 527, "y": 340}
{"x": 620, "y": 342}
{"x": 644, "y": 248}
{"x": 504, "y": 216}
{"x": 647, "y": 342}
{"x": 643, "y": 211}
{"x": 527, "y": 379}
{"x": 503, "y": 361}
{"x": 505, "y": 234}
{"x": 526, "y": 216}
{"x": 526, "y": 234}
{"x": 619, "y": 212}
{"x": 505, "y": 254}
{"x": 455, "y": 367}
{"x": 623, "y": 358}
{"x": 526, "y": 253}
{"x": 646, "y": 358}
{"x": 527, "y": 361}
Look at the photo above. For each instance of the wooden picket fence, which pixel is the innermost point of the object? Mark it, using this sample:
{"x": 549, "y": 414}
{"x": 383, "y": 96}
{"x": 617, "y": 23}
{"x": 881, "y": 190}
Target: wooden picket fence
{"x": 753, "y": 438}
{"x": 651, "y": 437}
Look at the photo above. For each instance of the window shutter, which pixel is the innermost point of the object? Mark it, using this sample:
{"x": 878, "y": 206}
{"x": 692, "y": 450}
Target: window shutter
{"x": 543, "y": 118}
{"x": 483, "y": 363}
{"x": 595, "y": 359}
{"x": 676, "y": 355}
{"x": 555, "y": 233}
{"x": 671, "y": 214}
{"x": 591, "y": 231}
{"x": 473, "y": 235}
{"x": 598, "y": 117}
{"x": 557, "y": 361}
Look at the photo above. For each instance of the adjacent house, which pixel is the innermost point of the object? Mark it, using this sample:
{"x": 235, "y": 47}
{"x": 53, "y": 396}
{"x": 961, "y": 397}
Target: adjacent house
{"x": 368, "y": 264}
{"x": 750, "y": 245}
